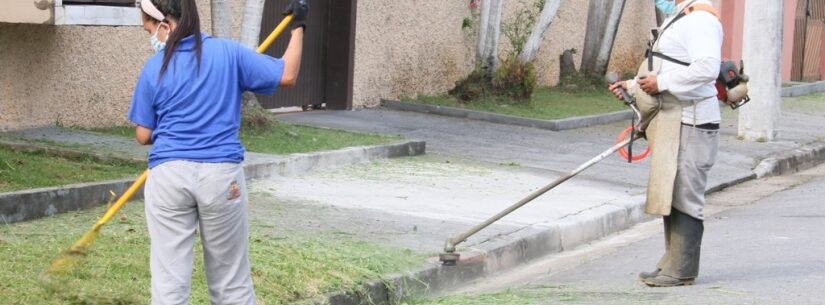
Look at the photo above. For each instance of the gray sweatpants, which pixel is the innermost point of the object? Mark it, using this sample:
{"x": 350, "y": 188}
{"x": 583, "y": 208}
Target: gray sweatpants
{"x": 182, "y": 196}
{"x": 684, "y": 227}
{"x": 697, "y": 154}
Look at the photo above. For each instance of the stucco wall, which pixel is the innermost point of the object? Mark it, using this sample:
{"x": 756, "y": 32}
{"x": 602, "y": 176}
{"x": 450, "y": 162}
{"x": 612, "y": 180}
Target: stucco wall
{"x": 71, "y": 75}
{"x": 27, "y": 11}
{"x": 84, "y": 76}
{"x": 406, "y": 48}
{"x": 403, "y": 48}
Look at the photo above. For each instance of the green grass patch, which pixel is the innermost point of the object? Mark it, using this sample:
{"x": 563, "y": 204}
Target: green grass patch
{"x": 288, "y": 138}
{"x": 24, "y": 170}
{"x": 806, "y": 104}
{"x": 546, "y": 104}
{"x": 286, "y": 268}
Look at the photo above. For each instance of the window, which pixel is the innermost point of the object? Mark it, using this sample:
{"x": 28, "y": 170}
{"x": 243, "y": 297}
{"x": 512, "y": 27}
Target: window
{"x": 101, "y": 2}
{"x": 96, "y": 12}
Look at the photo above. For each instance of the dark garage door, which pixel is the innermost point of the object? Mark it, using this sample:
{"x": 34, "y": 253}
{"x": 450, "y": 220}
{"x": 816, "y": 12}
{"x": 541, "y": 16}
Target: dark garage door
{"x": 326, "y": 65}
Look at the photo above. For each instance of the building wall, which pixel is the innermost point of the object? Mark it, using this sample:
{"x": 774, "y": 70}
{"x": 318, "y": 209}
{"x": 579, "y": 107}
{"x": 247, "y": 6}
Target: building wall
{"x": 27, "y": 11}
{"x": 733, "y": 12}
{"x": 407, "y": 48}
{"x": 71, "y": 75}
{"x": 84, "y": 75}
{"x": 788, "y": 29}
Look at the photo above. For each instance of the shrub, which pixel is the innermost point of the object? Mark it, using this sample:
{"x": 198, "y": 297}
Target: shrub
{"x": 470, "y": 88}
{"x": 514, "y": 80}
{"x": 254, "y": 117}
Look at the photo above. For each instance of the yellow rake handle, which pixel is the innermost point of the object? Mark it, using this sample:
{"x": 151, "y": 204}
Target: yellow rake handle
{"x": 123, "y": 198}
{"x": 275, "y": 33}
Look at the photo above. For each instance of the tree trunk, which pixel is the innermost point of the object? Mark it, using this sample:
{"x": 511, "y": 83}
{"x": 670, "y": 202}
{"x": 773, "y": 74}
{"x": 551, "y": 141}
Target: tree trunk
{"x": 251, "y": 24}
{"x": 533, "y": 44}
{"x": 221, "y": 19}
{"x": 602, "y": 24}
{"x": 609, "y": 38}
{"x": 250, "y": 35}
{"x": 567, "y": 67}
{"x": 603, "y": 18}
{"x": 596, "y": 18}
{"x": 489, "y": 32}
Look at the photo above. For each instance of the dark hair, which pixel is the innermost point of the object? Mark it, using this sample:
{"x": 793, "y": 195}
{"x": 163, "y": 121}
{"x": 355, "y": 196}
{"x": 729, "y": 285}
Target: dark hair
{"x": 185, "y": 13}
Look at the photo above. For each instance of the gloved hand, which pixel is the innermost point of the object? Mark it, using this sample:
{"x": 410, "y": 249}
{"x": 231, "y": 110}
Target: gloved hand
{"x": 299, "y": 9}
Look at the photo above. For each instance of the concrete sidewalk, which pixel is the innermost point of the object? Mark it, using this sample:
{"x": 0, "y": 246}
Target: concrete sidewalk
{"x": 477, "y": 169}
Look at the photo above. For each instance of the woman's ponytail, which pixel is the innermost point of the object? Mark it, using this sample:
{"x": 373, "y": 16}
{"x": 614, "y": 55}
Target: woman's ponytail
{"x": 185, "y": 13}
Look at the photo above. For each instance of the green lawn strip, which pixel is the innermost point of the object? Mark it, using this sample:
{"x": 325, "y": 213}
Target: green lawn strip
{"x": 27, "y": 170}
{"x": 288, "y": 138}
{"x": 546, "y": 104}
{"x": 811, "y": 103}
{"x": 286, "y": 268}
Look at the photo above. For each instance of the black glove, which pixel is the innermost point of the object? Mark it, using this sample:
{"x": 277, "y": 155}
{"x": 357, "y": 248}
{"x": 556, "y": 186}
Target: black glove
{"x": 299, "y": 9}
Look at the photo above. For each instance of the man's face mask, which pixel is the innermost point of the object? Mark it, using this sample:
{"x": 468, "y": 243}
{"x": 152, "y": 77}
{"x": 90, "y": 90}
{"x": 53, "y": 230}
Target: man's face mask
{"x": 157, "y": 45}
{"x": 667, "y": 7}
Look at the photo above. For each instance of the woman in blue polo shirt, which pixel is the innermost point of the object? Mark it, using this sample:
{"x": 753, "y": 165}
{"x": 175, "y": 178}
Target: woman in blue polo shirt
{"x": 187, "y": 103}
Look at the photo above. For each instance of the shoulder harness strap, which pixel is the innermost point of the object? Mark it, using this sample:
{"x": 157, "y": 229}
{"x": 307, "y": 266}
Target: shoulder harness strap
{"x": 687, "y": 11}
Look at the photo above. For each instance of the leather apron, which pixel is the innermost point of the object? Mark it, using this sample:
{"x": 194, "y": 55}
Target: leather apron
{"x": 661, "y": 120}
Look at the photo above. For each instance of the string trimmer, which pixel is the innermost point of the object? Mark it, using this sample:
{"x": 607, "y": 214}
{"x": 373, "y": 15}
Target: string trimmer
{"x": 450, "y": 257}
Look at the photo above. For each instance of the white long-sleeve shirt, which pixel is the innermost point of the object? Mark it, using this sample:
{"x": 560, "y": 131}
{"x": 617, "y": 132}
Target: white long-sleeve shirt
{"x": 695, "y": 39}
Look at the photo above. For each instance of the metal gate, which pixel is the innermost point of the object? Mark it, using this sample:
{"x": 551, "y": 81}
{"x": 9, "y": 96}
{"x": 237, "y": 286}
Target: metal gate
{"x": 327, "y": 59}
{"x": 807, "y": 49}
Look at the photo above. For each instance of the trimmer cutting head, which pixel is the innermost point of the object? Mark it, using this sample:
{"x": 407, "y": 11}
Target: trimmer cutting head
{"x": 449, "y": 259}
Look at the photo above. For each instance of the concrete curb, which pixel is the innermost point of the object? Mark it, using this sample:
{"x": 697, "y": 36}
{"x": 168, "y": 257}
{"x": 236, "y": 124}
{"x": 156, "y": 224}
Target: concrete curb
{"x": 555, "y": 125}
{"x": 804, "y": 89}
{"x": 547, "y": 238}
{"x": 43, "y": 202}
{"x": 792, "y": 161}
{"x": 296, "y": 164}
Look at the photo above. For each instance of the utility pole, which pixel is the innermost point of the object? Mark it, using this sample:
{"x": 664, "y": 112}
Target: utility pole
{"x": 762, "y": 53}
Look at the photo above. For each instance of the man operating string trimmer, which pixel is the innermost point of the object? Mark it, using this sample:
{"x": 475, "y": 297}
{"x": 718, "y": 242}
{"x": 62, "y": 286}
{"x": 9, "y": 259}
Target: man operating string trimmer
{"x": 674, "y": 98}
{"x": 675, "y": 90}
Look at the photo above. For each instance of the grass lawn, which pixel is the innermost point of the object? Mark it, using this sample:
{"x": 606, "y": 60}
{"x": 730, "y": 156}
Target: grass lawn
{"x": 287, "y": 138}
{"x": 546, "y": 103}
{"x": 20, "y": 170}
{"x": 286, "y": 268}
{"x": 806, "y": 104}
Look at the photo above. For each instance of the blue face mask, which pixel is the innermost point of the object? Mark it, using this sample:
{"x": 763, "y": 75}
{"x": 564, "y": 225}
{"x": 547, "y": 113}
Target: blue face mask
{"x": 157, "y": 45}
{"x": 667, "y": 7}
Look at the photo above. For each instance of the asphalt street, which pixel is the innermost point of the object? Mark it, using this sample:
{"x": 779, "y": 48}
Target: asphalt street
{"x": 763, "y": 244}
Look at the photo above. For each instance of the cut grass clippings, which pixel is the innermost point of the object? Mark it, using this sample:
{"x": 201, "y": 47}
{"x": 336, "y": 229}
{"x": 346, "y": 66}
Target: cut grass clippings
{"x": 509, "y": 297}
{"x": 286, "y": 269}
{"x": 545, "y": 104}
{"x": 27, "y": 170}
{"x": 540, "y": 295}
{"x": 287, "y": 138}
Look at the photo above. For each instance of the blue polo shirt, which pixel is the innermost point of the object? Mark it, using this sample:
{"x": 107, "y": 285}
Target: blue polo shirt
{"x": 195, "y": 113}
